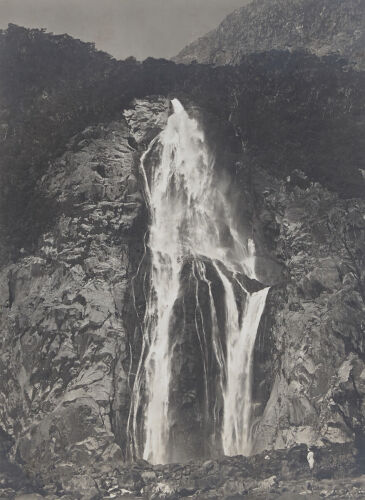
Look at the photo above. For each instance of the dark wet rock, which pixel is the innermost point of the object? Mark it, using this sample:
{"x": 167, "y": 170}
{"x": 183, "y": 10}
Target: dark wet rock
{"x": 83, "y": 487}
{"x": 146, "y": 119}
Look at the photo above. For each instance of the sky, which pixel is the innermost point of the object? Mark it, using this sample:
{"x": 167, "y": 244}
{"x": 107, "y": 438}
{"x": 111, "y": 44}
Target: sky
{"x": 141, "y": 28}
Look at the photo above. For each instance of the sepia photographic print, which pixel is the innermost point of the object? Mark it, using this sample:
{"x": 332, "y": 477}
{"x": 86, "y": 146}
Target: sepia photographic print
{"x": 182, "y": 249}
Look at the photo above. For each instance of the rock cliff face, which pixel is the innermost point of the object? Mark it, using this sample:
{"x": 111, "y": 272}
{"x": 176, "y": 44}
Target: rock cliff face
{"x": 314, "y": 322}
{"x": 67, "y": 311}
{"x": 321, "y": 26}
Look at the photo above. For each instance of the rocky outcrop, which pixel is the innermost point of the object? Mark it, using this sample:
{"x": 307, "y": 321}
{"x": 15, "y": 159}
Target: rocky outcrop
{"x": 314, "y": 325}
{"x": 323, "y": 27}
{"x": 67, "y": 315}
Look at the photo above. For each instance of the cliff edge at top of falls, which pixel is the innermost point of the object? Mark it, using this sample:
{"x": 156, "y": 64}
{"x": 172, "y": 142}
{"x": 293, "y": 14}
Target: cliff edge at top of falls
{"x": 320, "y": 26}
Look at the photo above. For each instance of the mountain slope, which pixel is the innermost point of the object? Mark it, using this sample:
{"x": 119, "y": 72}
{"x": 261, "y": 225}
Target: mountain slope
{"x": 321, "y": 26}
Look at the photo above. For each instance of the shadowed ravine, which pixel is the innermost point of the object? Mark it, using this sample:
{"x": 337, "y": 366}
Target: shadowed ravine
{"x": 203, "y": 297}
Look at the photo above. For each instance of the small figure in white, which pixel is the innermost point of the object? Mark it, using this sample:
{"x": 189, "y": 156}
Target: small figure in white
{"x": 310, "y": 458}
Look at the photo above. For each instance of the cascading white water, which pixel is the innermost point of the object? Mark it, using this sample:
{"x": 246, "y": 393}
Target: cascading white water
{"x": 238, "y": 407}
{"x": 188, "y": 212}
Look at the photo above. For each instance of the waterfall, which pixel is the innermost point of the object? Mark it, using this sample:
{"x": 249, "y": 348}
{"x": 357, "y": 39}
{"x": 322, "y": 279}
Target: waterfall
{"x": 192, "y": 224}
{"x": 237, "y": 397}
